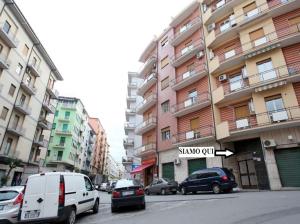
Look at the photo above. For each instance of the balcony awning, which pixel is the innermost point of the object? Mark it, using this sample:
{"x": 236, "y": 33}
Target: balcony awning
{"x": 141, "y": 168}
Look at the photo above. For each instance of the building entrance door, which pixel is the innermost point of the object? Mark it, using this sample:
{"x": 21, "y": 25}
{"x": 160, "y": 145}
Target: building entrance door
{"x": 247, "y": 173}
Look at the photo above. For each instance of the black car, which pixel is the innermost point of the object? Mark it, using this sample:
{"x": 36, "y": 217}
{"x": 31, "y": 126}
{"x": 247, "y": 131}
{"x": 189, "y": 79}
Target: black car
{"x": 162, "y": 186}
{"x": 212, "y": 179}
{"x": 127, "y": 193}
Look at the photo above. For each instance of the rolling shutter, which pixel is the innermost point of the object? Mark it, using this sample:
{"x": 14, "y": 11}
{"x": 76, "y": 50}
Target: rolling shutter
{"x": 168, "y": 170}
{"x": 288, "y": 163}
{"x": 256, "y": 34}
{"x": 196, "y": 164}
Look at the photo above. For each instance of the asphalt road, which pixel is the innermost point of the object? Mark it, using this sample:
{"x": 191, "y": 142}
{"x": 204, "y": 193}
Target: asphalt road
{"x": 268, "y": 207}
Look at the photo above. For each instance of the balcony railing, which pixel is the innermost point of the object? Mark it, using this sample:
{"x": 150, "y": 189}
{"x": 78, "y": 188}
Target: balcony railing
{"x": 132, "y": 85}
{"x": 148, "y": 66}
{"x": 281, "y": 116}
{"x": 3, "y": 62}
{"x": 60, "y": 145}
{"x": 129, "y": 125}
{"x": 127, "y": 160}
{"x": 49, "y": 107}
{"x": 53, "y": 92}
{"x": 226, "y": 56}
{"x": 188, "y": 77}
{"x": 29, "y": 88}
{"x": 187, "y": 53}
{"x": 64, "y": 119}
{"x": 17, "y": 130}
{"x": 23, "y": 108}
{"x": 149, "y": 148}
{"x": 145, "y": 126}
{"x": 186, "y": 31}
{"x": 44, "y": 123}
{"x": 63, "y": 132}
{"x": 197, "y": 135}
{"x": 41, "y": 142}
{"x": 33, "y": 70}
{"x": 9, "y": 38}
{"x": 148, "y": 82}
{"x": 128, "y": 142}
{"x": 191, "y": 104}
{"x": 146, "y": 103}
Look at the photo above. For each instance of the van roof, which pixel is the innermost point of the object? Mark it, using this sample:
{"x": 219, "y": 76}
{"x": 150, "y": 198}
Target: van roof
{"x": 56, "y": 173}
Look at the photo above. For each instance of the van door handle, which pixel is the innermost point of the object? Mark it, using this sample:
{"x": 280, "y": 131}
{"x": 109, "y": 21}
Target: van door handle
{"x": 83, "y": 194}
{"x": 87, "y": 194}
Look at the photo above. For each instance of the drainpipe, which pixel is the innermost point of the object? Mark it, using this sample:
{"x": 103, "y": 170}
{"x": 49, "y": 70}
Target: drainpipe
{"x": 157, "y": 135}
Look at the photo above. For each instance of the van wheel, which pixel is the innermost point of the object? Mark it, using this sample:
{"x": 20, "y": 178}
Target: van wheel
{"x": 96, "y": 207}
{"x": 147, "y": 192}
{"x": 71, "y": 218}
{"x": 163, "y": 192}
{"x": 143, "y": 206}
{"x": 183, "y": 191}
{"x": 216, "y": 189}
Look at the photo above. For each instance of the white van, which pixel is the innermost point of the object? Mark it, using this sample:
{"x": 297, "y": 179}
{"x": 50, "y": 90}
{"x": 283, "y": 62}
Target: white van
{"x": 57, "y": 196}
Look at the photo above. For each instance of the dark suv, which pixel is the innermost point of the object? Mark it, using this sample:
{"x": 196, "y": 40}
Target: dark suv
{"x": 212, "y": 179}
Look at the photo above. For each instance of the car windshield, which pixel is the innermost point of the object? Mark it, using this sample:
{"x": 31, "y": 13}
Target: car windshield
{"x": 8, "y": 195}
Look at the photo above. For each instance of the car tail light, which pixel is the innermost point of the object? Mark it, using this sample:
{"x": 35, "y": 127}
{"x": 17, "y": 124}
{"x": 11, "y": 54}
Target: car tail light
{"x": 224, "y": 178}
{"x": 19, "y": 199}
{"x": 61, "y": 196}
{"x": 116, "y": 194}
{"x": 140, "y": 191}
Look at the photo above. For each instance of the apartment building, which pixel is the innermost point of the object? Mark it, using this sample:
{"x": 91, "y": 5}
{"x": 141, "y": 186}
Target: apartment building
{"x": 70, "y": 136}
{"x": 27, "y": 95}
{"x": 100, "y": 149}
{"x": 114, "y": 169}
{"x": 132, "y": 140}
{"x": 227, "y": 76}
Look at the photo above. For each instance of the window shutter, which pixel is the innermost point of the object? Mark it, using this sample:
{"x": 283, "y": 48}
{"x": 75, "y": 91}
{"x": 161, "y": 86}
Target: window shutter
{"x": 194, "y": 123}
{"x": 242, "y": 111}
{"x": 257, "y": 34}
{"x": 294, "y": 21}
{"x": 249, "y": 7}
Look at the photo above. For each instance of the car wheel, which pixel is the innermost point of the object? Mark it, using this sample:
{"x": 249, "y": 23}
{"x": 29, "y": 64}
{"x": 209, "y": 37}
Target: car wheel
{"x": 194, "y": 192}
{"x": 113, "y": 209}
{"x": 216, "y": 189}
{"x": 174, "y": 192}
{"x": 147, "y": 192}
{"x": 183, "y": 191}
{"x": 96, "y": 207}
{"x": 162, "y": 191}
{"x": 71, "y": 218}
{"x": 143, "y": 206}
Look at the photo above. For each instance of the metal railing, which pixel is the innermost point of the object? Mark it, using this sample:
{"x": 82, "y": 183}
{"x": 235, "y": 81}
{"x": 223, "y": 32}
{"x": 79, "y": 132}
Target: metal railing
{"x": 149, "y": 121}
{"x": 24, "y": 107}
{"x": 147, "y": 100}
{"x": 188, "y": 49}
{"x": 129, "y": 125}
{"x": 187, "y": 27}
{"x": 265, "y": 118}
{"x": 16, "y": 128}
{"x": 150, "y": 77}
{"x": 10, "y": 35}
{"x": 128, "y": 141}
{"x": 201, "y": 132}
{"x": 146, "y": 148}
{"x": 127, "y": 160}
{"x": 199, "y": 68}
{"x": 191, "y": 101}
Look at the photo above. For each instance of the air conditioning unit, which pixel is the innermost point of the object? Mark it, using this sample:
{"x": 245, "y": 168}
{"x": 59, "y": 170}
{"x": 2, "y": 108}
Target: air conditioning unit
{"x": 210, "y": 27}
{"x": 200, "y": 54}
{"x": 177, "y": 161}
{"x": 222, "y": 77}
{"x": 269, "y": 143}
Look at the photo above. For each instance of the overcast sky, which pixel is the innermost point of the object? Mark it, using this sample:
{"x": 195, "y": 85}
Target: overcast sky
{"x": 94, "y": 43}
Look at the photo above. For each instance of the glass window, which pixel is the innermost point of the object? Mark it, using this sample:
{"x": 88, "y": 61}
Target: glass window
{"x": 192, "y": 95}
{"x": 67, "y": 114}
{"x": 19, "y": 69}
{"x": 274, "y": 104}
{"x": 59, "y": 155}
{"x": 88, "y": 184}
{"x": 8, "y": 146}
{"x": 48, "y": 152}
{"x": 164, "y": 62}
{"x": 65, "y": 127}
{"x": 12, "y": 90}
{"x": 265, "y": 69}
{"x": 165, "y": 134}
{"x": 165, "y": 83}
{"x": 236, "y": 82}
{"x": 4, "y": 113}
{"x": 165, "y": 41}
{"x": 25, "y": 50}
{"x": 193, "y": 177}
{"x": 62, "y": 141}
{"x": 6, "y": 27}
{"x": 56, "y": 113}
{"x": 165, "y": 106}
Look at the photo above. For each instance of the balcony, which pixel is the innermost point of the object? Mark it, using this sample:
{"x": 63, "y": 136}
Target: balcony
{"x": 63, "y": 132}
{"x": 256, "y": 123}
{"x": 196, "y": 136}
{"x": 3, "y": 62}
{"x": 146, "y": 126}
{"x": 191, "y": 104}
{"x": 131, "y": 98}
{"x": 48, "y": 107}
{"x": 52, "y": 92}
{"x": 127, "y": 161}
{"x": 41, "y": 142}
{"x": 148, "y": 82}
{"x": 68, "y": 106}
{"x": 23, "y": 108}
{"x": 147, "y": 103}
{"x": 237, "y": 22}
{"x": 33, "y": 70}
{"x": 129, "y": 127}
{"x": 8, "y": 38}
{"x": 43, "y": 123}
{"x": 189, "y": 77}
{"x": 187, "y": 53}
{"x": 128, "y": 142}
{"x": 64, "y": 119}
{"x": 145, "y": 150}
{"x": 28, "y": 88}
{"x": 16, "y": 130}
{"x": 130, "y": 112}
{"x": 256, "y": 83}
{"x": 186, "y": 31}
{"x": 132, "y": 85}
{"x": 148, "y": 66}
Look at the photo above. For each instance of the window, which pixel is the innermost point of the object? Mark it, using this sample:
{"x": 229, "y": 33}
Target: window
{"x": 56, "y": 113}
{"x": 165, "y": 83}
{"x": 28, "y": 79}
{"x": 51, "y": 139}
{"x": 25, "y": 50}
{"x": 65, "y": 127}
{"x": 59, "y": 155}
{"x": 194, "y": 123}
{"x": 62, "y": 141}
{"x": 192, "y": 94}
{"x": 242, "y": 112}
{"x": 34, "y": 61}
{"x": 265, "y": 69}
{"x": 6, "y": 27}
{"x": 164, "y": 42}
{"x": 53, "y": 125}
{"x": 165, "y": 134}
{"x": 165, "y": 106}
{"x": 7, "y": 147}
{"x": 88, "y": 184}
{"x": 274, "y": 103}
{"x": 22, "y": 99}
{"x": 48, "y": 153}
{"x": 250, "y": 10}
{"x": 15, "y": 121}
{"x": 19, "y": 69}
{"x": 164, "y": 62}
{"x": 12, "y": 90}
{"x": 258, "y": 37}
{"x": 67, "y": 114}
{"x": 4, "y": 113}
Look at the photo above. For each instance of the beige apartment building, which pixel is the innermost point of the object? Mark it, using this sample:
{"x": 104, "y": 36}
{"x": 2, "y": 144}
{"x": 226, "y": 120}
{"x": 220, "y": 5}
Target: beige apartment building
{"x": 27, "y": 95}
{"x": 225, "y": 73}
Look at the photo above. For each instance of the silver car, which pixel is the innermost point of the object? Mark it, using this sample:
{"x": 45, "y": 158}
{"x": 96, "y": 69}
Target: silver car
{"x": 10, "y": 201}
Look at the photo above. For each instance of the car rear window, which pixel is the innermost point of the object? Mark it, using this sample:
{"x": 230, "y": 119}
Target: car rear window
{"x": 126, "y": 183}
{"x": 8, "y": 195}
{"x": 227, "y": 172}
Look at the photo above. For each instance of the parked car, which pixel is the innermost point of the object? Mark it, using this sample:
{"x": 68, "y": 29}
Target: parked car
{"x": 58, "y": 196}
{"x": 162, "y": 186}
{"x": 111, "y": 186}
{"x": 127, "y": 193}
{"x": 10, "y": 201}
{"x": 103, "y": 187}
{"x": 212, "y": 179}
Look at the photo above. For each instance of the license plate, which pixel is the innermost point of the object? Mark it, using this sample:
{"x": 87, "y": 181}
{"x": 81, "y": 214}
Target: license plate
{"x": 1, "y": 207}
{"x": 32, "y": 214}
{"x": 126, "y": 193}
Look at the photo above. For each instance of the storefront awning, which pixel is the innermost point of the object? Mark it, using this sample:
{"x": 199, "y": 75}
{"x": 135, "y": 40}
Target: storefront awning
{"x": 141, "y": 168}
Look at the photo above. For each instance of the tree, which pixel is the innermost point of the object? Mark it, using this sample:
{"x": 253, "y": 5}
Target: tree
{"x": 12, "y": 163}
